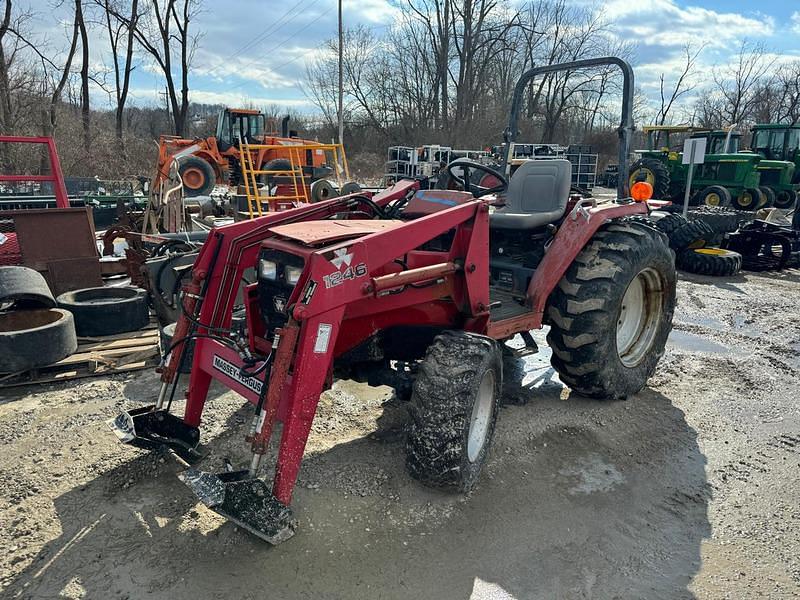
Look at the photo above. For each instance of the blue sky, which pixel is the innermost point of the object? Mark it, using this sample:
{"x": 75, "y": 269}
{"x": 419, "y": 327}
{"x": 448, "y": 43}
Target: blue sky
{"x": 255, "y": 50}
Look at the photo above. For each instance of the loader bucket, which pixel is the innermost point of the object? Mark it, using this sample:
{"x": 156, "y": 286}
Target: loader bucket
{"x": 150, "y": 429}
{"x": 245, "y": 500}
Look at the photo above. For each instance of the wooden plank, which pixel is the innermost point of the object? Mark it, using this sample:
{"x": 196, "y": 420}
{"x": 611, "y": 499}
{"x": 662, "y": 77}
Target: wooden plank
{"x": 105, "y": 356}
{"x": 116, "y": 344}
{"x": 79, "y": 374}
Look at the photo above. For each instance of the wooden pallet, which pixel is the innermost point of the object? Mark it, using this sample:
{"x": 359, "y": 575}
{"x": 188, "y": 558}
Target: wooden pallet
{"x": 96, "y": 356}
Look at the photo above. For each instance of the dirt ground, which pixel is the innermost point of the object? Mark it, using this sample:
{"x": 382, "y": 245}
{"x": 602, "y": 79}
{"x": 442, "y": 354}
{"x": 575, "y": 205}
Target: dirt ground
{"x": 689, "y": 489}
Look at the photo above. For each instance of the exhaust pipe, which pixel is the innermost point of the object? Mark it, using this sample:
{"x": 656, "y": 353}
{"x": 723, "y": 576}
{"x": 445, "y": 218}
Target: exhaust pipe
{"x": 285, "y": 126}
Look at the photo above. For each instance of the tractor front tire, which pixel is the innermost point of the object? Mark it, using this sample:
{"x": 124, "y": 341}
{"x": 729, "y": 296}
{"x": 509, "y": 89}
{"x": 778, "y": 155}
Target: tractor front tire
{"x": 769, "y": 197}
{"x": 654, "y": 172}
{"x": 197, "y": 175}
{"x": 611, "y": 313}
{"x": 453, "y": 409}
{"x": 714, "y": 195}
{"x": 784, "y": 199}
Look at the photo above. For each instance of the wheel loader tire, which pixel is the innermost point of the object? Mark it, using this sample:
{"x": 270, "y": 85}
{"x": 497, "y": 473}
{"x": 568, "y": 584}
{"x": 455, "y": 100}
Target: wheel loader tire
{"x": 276, "y": 164}
{"x": 106, "y": 310}
{"x": 654, "y": 172}
{"x": 748, "y": 199}
{"x": 24, "y": 288}
{"x": 670, "y": 223}
{"x": 714, "y": 195}
{"x": 710, "y": 261}
{"x": 454, "y": 407}
{"x": 611, "y": 313}
{"x": 785, "y": 199}
{"x": 769, "y": 197}
{"x": 35, "y": 338}
{"x": 197, "y": 175}
{"x": 694, "y": 234}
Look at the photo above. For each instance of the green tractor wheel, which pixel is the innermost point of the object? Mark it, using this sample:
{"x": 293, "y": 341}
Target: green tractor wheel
{"x": 652, "y": 171}
{"x": 749, "y": 199}
{"x": 784, "y": 199}
{"x": 769, "y": 196}
{"x": 714, "y": 195}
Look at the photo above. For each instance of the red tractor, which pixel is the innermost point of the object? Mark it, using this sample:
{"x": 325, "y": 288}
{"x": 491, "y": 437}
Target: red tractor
{"x": 440, "y": 279}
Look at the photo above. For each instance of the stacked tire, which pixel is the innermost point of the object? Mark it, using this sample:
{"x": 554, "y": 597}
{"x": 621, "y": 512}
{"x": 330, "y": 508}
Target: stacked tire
{"x": 33, "y": 332}
{"x": 107, "y": 310}
{"x": 691, "y": 242}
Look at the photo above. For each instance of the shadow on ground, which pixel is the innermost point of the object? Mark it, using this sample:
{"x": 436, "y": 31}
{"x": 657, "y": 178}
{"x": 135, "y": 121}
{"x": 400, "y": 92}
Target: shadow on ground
{"x": 579, "y": 499}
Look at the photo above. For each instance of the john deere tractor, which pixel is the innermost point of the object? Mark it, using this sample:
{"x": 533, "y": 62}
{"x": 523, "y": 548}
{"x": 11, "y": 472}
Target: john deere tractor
{"x": 779, "y": 145}
{"x": 726, "y": 177}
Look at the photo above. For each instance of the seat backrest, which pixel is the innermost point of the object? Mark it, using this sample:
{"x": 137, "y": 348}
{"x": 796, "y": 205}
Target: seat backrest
{"x": 539, "y": 186}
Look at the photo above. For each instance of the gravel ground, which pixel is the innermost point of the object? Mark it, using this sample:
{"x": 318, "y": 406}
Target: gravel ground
{"x": 687, "y": 490}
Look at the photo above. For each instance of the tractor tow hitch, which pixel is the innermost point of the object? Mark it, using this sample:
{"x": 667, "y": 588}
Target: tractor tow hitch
{"x": 243, "y": 499}
{"x": 150, "y": 428}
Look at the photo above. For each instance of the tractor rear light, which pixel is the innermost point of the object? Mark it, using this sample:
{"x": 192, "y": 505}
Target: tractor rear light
{"x": 267, "y": 269}
{"x": 292, "y": 274}
{"x": 641, "y": 191}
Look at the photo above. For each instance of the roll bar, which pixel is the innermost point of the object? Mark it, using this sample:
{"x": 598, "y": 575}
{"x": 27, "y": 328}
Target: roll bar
{"x": 626, "y": 126}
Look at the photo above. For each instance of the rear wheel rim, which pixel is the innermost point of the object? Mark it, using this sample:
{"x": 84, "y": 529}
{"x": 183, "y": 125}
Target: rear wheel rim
{"x": 481, "y": 417}
{"x": 649, "y": 176}
{"x": 193, "y": 178}
{"x": 639, "y": 317}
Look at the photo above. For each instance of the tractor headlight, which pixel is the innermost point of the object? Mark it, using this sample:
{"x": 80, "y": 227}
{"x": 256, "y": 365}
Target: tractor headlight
{"x": 267, "y": 269}
{"x": 292, "y": 274}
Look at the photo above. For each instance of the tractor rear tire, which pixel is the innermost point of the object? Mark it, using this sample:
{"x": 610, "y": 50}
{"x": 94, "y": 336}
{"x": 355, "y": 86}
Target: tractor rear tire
{"x": 35, "y": 338}
{"x": 785, "y": 199}
{"x": 24, "y": 288}
{"x": 655, "y": 173}
{"x": 106, "y": 310}
{"x": 670, "y": 223}
{"x": 714, "y": 195}
{"x": 197, "y": 175}
{"x": 720, "y": 220}
{"x": 694, "y": 234}
{"x": 710, "y": 261}
{"x": 749, "y": 199}
{"x": 611, "y": 313}
{"x": 454, "y": 408}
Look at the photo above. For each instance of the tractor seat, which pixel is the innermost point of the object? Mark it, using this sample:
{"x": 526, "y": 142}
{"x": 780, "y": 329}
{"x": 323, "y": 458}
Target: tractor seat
{"x": 537, "y": 195}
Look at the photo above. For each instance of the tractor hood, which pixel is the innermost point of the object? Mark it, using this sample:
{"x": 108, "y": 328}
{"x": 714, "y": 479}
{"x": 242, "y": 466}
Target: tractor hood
{"x": 317, "y": 233}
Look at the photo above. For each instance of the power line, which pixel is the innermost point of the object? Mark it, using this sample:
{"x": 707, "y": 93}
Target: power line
{"x": 302, "y": 29}
{"x": 263, "y": 35}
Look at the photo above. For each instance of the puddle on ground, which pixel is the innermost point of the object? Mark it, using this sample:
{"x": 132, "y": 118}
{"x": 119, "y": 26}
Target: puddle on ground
{"x": 691, "y": 342}
{"x": 593, "y": 474}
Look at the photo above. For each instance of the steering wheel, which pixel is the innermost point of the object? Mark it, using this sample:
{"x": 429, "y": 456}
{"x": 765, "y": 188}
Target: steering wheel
{"x": 473, "y": 188}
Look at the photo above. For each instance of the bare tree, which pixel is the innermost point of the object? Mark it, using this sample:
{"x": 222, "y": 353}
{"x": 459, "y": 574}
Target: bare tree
{"x": 120, "y": 37}
{"x": 163, "y": 30}
{"x": 737, "y": 85}
{"x": 682, "y": 86}
{"x": 80, "y": 23}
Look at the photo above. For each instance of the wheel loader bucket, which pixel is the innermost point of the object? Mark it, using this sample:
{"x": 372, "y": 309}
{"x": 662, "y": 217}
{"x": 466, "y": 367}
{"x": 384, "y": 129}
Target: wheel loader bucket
{"x": 150, "y": 429}
{"x": 245, "y": 500}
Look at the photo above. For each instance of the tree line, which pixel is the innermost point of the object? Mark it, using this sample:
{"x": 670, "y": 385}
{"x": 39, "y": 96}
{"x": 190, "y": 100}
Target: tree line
{"x": 442, "y": 72}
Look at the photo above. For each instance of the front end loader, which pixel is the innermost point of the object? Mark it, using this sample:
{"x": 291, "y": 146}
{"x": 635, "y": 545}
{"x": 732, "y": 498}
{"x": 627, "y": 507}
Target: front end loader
{"x": 439, "y": 278}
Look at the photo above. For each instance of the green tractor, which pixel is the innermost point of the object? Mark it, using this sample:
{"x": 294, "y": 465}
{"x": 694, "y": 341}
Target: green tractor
{"x": 726, "y": 177}
{"x": 779, "y": 144}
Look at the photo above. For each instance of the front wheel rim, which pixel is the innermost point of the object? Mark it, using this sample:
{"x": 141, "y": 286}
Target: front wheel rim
{"x": 712, "y": 199}
{"x": 639, "y": 317}
{"x": 481, "y": 417}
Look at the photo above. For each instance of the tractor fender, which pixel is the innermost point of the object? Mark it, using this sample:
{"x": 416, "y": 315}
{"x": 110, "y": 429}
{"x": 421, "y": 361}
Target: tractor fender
{"x": 576, "y": 230}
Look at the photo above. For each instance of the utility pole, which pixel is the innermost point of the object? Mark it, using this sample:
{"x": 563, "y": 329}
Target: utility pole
{"x": 341, "y": 77}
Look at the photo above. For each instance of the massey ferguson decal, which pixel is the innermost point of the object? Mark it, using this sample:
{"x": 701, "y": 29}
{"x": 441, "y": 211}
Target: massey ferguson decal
{"x": 341, "y": 260}
{"x": 231, "y": 370}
